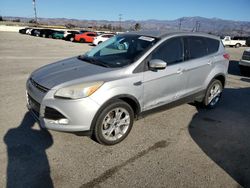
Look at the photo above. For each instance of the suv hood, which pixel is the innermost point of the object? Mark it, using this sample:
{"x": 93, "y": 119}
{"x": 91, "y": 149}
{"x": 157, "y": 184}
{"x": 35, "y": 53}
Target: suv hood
{"x": 66, "y": 70}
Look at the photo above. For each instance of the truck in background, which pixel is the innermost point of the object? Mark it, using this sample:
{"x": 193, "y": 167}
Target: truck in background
{"x": 228, "y": 41}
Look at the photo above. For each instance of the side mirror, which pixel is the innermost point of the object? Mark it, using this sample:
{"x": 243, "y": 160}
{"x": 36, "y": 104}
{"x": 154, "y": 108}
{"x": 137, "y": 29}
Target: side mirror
{"x": 157, "y": 64}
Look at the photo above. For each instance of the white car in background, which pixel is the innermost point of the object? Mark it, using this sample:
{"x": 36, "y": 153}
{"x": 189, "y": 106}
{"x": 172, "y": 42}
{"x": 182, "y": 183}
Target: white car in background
{"x": 101, "y": 38}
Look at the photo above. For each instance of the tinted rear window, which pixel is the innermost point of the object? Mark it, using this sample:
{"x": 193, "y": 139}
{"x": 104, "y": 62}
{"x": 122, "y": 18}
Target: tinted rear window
{"x": 91, "y": 35}
{"x": 197, "y": 47}
{"x": 213, "y": 45}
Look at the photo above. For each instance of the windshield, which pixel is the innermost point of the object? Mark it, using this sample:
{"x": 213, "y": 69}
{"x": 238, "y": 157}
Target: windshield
{"x": 120, "y": 50}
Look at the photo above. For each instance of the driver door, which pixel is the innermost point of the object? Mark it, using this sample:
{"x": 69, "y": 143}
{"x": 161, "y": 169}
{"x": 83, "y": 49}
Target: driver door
{"x": 167, "y": 85}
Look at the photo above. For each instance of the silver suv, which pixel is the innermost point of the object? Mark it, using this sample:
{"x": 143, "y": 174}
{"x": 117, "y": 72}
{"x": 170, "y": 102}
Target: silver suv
{"x": 104, "y": 90}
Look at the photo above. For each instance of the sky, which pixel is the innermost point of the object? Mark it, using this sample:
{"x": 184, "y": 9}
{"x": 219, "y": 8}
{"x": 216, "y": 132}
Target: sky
{"x": 238, "y": 10}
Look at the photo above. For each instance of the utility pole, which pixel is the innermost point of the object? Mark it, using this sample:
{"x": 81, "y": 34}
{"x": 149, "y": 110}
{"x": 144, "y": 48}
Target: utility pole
{"x": 120, "y": 22}
{"x": 34, "y": 5}
{"x": 180, "y": 22}
{"x": 199, "y": 25}
{"x": 196, "y": 27}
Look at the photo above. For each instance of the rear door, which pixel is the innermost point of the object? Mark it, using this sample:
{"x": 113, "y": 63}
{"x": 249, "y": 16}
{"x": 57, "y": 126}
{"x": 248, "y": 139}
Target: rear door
{"x": 199, "y": 63}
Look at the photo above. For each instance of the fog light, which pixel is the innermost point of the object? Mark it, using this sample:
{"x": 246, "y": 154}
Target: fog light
{"x": 63, "y": 121}
{"x": 60, "y": 121}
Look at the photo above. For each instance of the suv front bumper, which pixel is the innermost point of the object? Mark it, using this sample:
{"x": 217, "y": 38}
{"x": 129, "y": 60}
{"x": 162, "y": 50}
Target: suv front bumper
{"x": 60, "y": 114}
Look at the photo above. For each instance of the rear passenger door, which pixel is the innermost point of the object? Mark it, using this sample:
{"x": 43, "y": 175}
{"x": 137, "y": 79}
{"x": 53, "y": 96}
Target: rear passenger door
{"x": 198, "y": 63}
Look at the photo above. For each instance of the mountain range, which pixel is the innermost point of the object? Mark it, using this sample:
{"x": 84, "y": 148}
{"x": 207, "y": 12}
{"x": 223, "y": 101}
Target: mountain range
{"x": 215, "y": 26}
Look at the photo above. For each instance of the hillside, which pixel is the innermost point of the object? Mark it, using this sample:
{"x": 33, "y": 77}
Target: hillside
{"x": 210, "y": 25}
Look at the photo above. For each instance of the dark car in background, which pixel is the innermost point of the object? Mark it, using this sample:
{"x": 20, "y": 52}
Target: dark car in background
{"x": 23, "y": 31}
{"x": 35, "y": 32}
{"x": 47, "y": 33}
{"x": 58, "y": 35}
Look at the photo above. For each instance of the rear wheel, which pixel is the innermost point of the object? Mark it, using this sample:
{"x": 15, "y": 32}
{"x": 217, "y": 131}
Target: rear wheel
{"x": 114, "y": 123}
{"x": 237, "y": 45}
{"x": 43, "y": 35}
{"x": 213, "y": 94}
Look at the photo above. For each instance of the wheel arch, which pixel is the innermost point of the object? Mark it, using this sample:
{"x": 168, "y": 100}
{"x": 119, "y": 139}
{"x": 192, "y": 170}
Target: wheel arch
{"x": 129, "y": 99}
{"x": 221, "y": 78}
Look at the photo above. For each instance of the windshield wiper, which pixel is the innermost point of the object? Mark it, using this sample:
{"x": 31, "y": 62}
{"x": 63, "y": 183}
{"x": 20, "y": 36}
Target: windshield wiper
{"x": 92, "y": 60}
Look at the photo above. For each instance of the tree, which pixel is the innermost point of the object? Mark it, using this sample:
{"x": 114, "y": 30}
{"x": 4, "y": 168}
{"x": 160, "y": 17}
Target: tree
{"x": 1, "y": 18}
{"x": 32, "y": 21}
{"x": 16, "y": 20}
{"x": 69, "y": 25}
{"x": 109, "y": 27}
{"x": 137, "y": 26}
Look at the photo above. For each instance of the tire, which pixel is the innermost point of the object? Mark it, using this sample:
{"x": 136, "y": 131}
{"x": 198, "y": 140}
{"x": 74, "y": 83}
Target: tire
{"x": 213, "y": 94}
{"x": 43, "y": 35}
{"x": 237, "y": 45}
{"x": 81, "y": 40}
{"x": 72, "y": 39}
{"x": 50, "y": 36}
{"x": 108, "y": 129}
{"x": 99, "y": 42}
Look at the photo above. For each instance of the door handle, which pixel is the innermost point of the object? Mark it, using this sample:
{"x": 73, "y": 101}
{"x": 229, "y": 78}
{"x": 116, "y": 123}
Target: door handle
{"x": 138, "y": 83}
{"x": 179, "y": 71}
{"x": 210, "y": 62}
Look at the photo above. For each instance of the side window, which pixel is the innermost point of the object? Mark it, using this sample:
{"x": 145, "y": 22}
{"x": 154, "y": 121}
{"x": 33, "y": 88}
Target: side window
{"x": 227, "y": 39}
{"x": 170, "y": 51}
{"x": 213, "y": 45}
{"x": 197, "y": 47}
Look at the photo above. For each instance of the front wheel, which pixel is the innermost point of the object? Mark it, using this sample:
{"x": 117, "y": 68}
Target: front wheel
{"x": 114, "y": 123}
{"x": 213, "y": 94}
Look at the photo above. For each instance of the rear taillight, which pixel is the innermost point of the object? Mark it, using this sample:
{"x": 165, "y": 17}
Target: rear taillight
{"x": 226, "y": 56}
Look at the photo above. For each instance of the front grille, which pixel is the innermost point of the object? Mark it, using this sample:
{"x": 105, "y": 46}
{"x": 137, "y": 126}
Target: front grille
{"x": 38, "y": 86}
{"x": 51, "y": 113}
{"x": 246, "y": 55}
{"x": 34, "y": 105}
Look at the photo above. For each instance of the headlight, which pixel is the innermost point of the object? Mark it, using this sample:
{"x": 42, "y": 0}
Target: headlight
{"x": 78, "y": 91}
